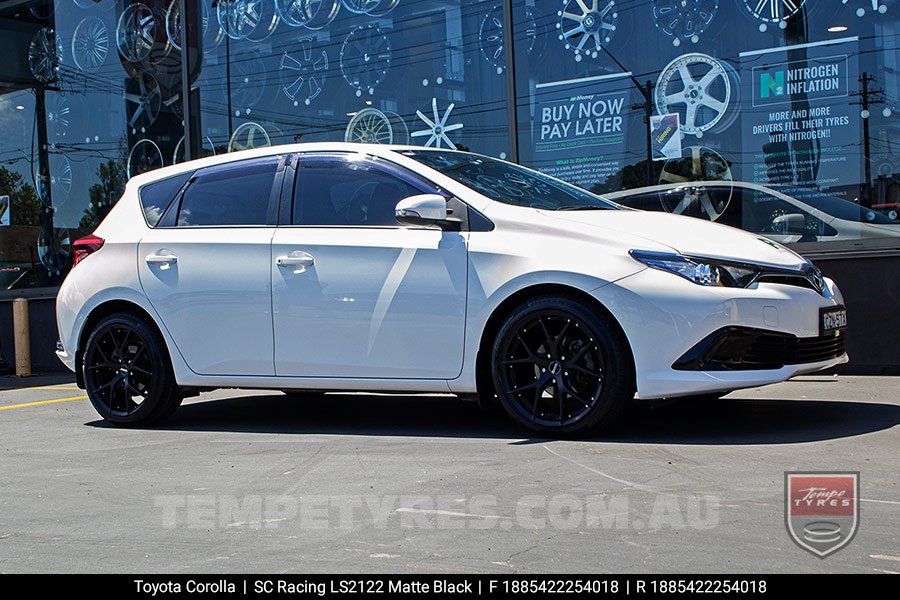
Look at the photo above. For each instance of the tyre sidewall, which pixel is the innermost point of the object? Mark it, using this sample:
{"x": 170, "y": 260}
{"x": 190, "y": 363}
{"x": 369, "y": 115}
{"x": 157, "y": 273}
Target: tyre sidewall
{"x": 618, "y": 387}
{"x": 162, "y": 379}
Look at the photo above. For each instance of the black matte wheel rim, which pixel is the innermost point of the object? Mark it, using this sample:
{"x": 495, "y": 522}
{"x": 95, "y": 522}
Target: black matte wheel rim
{"x": 118, "y": 369}
{"x": 550, "y": 368}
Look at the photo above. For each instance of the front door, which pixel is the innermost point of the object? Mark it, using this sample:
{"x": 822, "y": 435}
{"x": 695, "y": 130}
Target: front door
{"x": 354, "y": 292}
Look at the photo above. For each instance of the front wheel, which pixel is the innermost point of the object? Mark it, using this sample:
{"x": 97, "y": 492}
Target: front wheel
{"x": 562, "y": 369}
{"x": 127, "y": 373}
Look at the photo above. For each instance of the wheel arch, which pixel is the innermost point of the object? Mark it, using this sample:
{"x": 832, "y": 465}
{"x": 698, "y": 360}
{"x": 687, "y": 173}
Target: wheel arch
{"x": 483, "y": 379}
{"x": 97, "y": 314}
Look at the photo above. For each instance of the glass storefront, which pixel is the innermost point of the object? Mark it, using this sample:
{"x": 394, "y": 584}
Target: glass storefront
{"x": 778, "y": 117}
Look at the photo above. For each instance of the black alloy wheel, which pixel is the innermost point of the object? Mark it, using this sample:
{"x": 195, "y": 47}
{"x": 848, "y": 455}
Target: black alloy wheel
{"x": 561, "y": 369}
{"x": 127, "y": 373}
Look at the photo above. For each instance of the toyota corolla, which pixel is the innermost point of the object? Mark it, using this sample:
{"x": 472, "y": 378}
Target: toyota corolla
{"x": 333, "y": 267}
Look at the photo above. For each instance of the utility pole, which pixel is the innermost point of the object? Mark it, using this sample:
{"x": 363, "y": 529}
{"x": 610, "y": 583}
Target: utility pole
{"x": 509, "y": 57}
{"x": 867, "y": 97}
{"x": 646, "y": 106}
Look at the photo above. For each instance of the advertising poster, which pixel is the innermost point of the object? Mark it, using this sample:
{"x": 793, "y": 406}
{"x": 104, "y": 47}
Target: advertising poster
{"x": 665, "y": 136}
{"x": 579, "y": 127}
{"x": 4, "y": 211}
{"x": 800, "y": 125}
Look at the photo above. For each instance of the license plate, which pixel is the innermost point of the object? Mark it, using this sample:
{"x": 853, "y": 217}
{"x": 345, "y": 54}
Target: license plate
{"x": 832, "y": 319}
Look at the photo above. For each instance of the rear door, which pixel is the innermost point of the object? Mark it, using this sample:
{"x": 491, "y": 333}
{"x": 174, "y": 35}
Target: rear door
{"x": 363, "y": 295}
{"x": 206, "y": 268}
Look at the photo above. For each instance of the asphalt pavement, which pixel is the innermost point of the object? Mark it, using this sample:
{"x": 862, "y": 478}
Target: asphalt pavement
{"x": 248, "y": 481}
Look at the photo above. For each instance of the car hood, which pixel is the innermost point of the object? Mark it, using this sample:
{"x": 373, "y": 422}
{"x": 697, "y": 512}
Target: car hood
{"x": 685, "y": 235}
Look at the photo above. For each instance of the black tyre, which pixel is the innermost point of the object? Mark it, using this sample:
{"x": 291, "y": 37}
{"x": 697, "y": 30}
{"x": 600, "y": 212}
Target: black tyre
{"x": 561, "y": 369}
{"x": 303, "y": 394}
{"x": 127, "y": 372}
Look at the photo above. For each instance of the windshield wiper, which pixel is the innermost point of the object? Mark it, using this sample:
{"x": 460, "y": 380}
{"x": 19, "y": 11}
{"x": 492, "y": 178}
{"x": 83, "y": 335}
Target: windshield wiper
{"x": 581, "y": 207}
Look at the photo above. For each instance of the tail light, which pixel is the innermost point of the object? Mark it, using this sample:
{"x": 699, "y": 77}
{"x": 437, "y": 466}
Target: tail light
{"x": 86, "y": 246}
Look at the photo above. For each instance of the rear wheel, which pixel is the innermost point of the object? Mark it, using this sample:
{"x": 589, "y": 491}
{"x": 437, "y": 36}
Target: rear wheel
{"x": 127, "y": 373}
{"x": 561, "y": 369}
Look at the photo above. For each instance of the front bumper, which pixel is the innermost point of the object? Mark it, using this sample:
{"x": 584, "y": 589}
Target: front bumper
{"x": 665, "y": 316}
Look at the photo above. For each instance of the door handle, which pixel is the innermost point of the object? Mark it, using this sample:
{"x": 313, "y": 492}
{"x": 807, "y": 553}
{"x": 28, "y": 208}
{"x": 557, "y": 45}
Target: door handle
{"x": 161, "y": 259}
{"x": 297, "y": 259}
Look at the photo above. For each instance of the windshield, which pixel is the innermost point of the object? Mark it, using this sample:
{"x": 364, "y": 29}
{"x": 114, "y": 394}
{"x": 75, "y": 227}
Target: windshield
{"x": 836, "y": 207}
{"x": 508, "y": 183}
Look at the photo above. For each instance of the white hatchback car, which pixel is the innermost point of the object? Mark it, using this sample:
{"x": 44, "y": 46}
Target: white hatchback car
{"x": 326, "y": 267}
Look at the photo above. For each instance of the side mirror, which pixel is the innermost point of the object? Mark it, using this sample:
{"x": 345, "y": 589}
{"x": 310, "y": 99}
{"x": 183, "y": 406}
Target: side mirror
{"x": 789, "y": 223}
{"x": 424, "y": 209}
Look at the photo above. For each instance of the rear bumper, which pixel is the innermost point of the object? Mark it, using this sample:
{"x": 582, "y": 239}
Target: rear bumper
{"x": 66, "y": 358}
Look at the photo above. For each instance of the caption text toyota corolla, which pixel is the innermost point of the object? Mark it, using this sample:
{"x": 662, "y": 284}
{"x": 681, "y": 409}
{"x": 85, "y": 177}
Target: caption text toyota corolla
{"x": 327, "y": 267}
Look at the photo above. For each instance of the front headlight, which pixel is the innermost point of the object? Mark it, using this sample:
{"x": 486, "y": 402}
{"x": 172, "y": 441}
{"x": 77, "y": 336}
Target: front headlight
{"x": 700, "y": 271}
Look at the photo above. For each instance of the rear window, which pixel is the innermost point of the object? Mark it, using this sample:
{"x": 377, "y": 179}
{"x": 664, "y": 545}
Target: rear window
{"x": 233, "y": 194}
{"x": 156, "y": 196}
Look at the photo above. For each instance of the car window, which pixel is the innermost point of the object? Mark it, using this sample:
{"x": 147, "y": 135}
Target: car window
{"x": 347, "y": 191}
{"x": 641, "y": 201}
{"x": 837, "y": 207}
{"x": 508, "y": 183}
{"x": 710, "y": 203}
{"x": 236, "y": 194}
{"x": 765, "y": 213}
{"x": 156, "y": 196}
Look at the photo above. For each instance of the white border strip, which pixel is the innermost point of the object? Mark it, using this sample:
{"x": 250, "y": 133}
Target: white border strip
{"x": 854, "y": 38}
{"x": 583, "y": 80}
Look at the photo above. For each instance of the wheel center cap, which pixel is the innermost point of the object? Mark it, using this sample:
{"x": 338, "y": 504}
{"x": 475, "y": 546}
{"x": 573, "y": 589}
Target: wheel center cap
{"x": 123, "y": 370}
{"x": 555, "y": 368}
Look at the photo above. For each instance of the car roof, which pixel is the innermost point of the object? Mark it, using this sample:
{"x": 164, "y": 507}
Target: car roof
{"x": 383, "y": 150}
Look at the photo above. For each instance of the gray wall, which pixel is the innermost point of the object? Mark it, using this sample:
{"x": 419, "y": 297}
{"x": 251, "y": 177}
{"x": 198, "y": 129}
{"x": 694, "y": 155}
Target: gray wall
{"x": 871, "y": 288}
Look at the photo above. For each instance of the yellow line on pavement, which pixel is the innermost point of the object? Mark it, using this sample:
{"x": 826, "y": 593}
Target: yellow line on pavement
{"x": 55, "y": 387}
{"x": 40, "y": 402}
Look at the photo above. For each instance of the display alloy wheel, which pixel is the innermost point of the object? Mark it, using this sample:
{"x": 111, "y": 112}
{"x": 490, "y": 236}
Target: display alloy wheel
{"x": 586, "y": 26}
{"x": 370, "y": 126}
{"x": 491, "y": 40}
{"x": 248, "y": 136}
{"x": 127, "y": 374}
{"x": 775, "y": 12}
{"x": 684, "y": 20}
{"x": 304, "y": 72}
{"x": 136, "y": 32}
{"x": 90, "y": 44}
{"x": 142, "y": 99}
{"x": 365, "y": 58}
{"x": 144, "y": 156}
{"x": 436, "y": 130}
{"x": 560, "y": 369}
{"x": 44, "y": 54}
{"x": 697, "y": 163}
{"x": 698, "y": 88}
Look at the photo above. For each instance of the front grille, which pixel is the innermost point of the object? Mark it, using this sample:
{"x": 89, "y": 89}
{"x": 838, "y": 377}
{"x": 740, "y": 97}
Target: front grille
{"x": 795, "y": 280}
{"x": 744, "y": 348}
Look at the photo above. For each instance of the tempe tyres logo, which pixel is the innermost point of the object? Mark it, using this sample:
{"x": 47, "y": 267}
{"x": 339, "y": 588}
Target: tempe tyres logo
{"x": 821, "y": 510}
